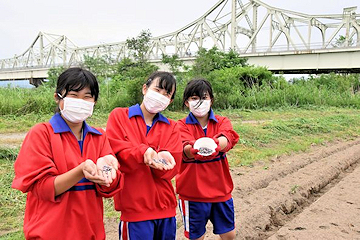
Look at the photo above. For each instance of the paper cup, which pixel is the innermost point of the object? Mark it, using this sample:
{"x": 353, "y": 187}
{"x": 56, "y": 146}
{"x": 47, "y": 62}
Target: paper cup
{"x": 205, "y": 145}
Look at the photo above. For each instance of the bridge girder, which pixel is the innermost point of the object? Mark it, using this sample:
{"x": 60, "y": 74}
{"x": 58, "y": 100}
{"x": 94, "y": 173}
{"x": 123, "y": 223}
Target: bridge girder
{"x": 250, "y": 27}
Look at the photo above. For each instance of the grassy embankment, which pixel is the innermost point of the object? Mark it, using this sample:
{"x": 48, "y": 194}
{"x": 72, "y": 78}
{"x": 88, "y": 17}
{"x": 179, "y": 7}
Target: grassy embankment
{"x": 263, "y": 135}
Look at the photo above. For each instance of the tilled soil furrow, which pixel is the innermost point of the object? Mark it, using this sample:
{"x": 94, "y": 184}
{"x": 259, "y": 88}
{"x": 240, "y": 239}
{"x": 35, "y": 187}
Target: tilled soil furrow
{"x": 335, "y": 215}
{"x": 265, "y": 198}
{"x": 264, "y": 210}
{"x": 261, "y": 176}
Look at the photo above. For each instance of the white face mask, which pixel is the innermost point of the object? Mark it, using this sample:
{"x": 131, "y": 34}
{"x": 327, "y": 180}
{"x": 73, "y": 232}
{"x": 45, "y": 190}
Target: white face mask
{"x": 155, "y": 102}
{"x": 202, "y": 110}
{"x": 76, "y": 110}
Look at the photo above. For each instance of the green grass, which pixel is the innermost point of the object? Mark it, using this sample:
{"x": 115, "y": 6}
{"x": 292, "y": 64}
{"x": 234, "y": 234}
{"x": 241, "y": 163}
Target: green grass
{"x": 15, "y": 123}
{"x": 11, "y": 202}
{"x": 264, "y": 134}
{"x": 8, "y": 153}
{"x": 291, "y": 131}
{"x": 18, "y": 235}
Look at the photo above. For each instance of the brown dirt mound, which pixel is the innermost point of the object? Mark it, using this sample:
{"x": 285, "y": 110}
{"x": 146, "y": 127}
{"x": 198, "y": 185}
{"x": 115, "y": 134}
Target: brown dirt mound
{"x": 333, "y": 216}
{"x": 263, "y": 210}
{"x": 269, "y": 195}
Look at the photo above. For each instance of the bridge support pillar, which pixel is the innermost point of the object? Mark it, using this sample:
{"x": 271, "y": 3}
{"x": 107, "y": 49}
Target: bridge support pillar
{"x": 36, "y": 81}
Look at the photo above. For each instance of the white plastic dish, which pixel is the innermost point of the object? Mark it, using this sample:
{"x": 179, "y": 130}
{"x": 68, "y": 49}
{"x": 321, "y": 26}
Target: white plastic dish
{"x": 205, "y": 142}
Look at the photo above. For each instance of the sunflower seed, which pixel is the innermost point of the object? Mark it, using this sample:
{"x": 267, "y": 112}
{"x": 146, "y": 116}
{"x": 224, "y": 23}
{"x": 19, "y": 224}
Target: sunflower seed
{"x": 205, "y": 151}
{"x": 161, "y": 161}
{"x": 106, "y": 168}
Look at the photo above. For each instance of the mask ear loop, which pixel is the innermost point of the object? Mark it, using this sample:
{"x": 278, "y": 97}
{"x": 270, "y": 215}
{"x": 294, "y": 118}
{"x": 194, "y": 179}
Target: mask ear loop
{"x": 61, "y": 97}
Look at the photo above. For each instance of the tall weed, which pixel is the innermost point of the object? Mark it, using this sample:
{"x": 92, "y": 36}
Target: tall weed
{"x": 238, "y": 87}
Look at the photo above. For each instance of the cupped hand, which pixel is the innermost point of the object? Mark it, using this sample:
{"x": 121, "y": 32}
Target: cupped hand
{"x": 150, "y": 159}
{"x": 106, "y": 167}
{"x": 168, "y": 160}
{"x": 89, "y": 170}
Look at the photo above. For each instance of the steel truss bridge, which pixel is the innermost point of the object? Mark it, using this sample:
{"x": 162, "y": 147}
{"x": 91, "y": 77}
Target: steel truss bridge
{"x": 283, "y": 40}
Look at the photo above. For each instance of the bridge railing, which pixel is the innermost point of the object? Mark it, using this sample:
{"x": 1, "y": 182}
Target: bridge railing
{"x": 191, "y": 54}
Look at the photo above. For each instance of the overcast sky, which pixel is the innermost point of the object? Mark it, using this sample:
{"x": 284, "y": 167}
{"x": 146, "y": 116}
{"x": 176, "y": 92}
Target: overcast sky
{"x": 90, "y": 22}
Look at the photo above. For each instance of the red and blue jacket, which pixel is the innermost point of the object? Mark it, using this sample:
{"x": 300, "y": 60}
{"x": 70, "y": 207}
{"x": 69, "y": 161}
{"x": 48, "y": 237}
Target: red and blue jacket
{"x": 208, "y": 180}
{"x": 51, "y": 149}
{"x": 147, "y": 193}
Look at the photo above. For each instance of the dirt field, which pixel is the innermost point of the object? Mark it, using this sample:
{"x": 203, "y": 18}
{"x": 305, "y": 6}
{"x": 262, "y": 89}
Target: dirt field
{"x": 313, "y": 195}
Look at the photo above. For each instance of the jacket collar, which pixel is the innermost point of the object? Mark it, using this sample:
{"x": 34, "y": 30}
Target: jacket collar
{"x": 59, "y": 125}
{"x": 135, "y": 110}
{"x": 191, "y": 119}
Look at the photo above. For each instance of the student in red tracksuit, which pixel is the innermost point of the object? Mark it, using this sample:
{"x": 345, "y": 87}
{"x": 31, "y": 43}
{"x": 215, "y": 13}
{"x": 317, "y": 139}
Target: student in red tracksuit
{"x": 66, "y": 167}
{"x": 204, "y": 183}
{"x": 143, "y": 140}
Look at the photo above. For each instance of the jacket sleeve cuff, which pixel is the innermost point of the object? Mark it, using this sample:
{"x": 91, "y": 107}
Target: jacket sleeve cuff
{"x": 46, "y": 190}
{"x": 142, "y": 150}
{"x": 114, "y": 188}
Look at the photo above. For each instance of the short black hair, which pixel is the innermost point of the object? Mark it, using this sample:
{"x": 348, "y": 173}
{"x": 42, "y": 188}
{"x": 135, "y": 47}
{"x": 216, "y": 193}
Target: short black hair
{"x": 76, "y": 79}
{"x": 197, "y": 87}
{"x": 167, "y": 81}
